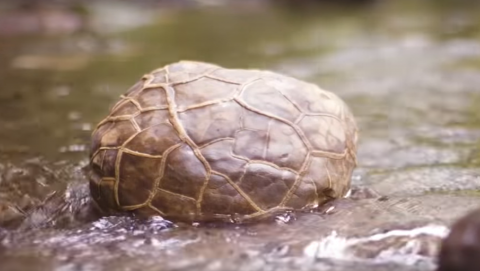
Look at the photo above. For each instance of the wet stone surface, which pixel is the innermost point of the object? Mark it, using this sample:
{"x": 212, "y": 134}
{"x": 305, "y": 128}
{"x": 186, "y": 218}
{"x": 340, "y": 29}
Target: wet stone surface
{"x": 409, "y": 70}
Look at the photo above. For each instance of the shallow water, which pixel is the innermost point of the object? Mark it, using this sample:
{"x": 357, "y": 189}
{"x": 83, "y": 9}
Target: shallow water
{"x": 409, "y": 70}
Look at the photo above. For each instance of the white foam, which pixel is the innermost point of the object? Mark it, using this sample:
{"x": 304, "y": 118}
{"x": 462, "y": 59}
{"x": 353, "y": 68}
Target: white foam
{"x": 331, "y": 246}
{"x": 338, "y": 247}
{"x": 433, "y": 230}
{"x": 348, "y": 194}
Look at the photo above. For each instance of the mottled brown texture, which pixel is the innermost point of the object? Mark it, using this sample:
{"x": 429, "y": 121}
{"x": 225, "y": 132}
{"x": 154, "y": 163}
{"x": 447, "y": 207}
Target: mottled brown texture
{"x": 198, "y": 142}
{"x": 460, "y": 250}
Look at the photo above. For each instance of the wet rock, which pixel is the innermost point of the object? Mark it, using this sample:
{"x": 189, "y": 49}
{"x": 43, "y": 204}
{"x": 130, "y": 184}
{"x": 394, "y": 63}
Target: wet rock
{"x": 29, "y": 188}
{"x": 461, "y": 248}
{"x": 451, "y": 136}
{"x": 417, "y": 181}
{"x": 10, "y": 215}
{"x": 60, "y": 209}
{"x": 379, "y": 153}
{"x": 411, "y": 80}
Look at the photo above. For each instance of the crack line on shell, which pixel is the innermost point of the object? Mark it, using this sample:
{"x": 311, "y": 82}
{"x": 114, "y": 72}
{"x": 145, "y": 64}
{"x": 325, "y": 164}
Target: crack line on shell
{"x": 156, "y": 183}
{"x": 290, "y": 100}
{"x": 162, "y": 214}
{"x": 298, "y": 180}
{"x": 135, "y": 124}
{"x": 204, "y": 104}
{"x": 269, "y": 128}
{"x": 174, "y": 120}
{"x": 117, "y": 168}
{"x": 252, "y": 161}
{"x": 328, "y": 175}
{"x": 299, "y": 132}
{"x": 239, "y": 190}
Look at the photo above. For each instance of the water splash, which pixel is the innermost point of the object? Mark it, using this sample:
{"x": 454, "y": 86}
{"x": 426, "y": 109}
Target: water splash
{"x": 405, "y": 247}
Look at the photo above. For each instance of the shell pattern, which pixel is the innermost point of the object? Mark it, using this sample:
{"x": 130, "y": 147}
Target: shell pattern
{"x": 194, "y": 141}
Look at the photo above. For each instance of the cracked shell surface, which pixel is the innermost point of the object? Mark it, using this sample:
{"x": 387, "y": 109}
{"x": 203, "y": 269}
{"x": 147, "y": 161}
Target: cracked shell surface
{"x": 195, "y": 142}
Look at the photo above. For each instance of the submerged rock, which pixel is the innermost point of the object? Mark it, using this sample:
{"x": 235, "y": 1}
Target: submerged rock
{"x": 460, "y": 250}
